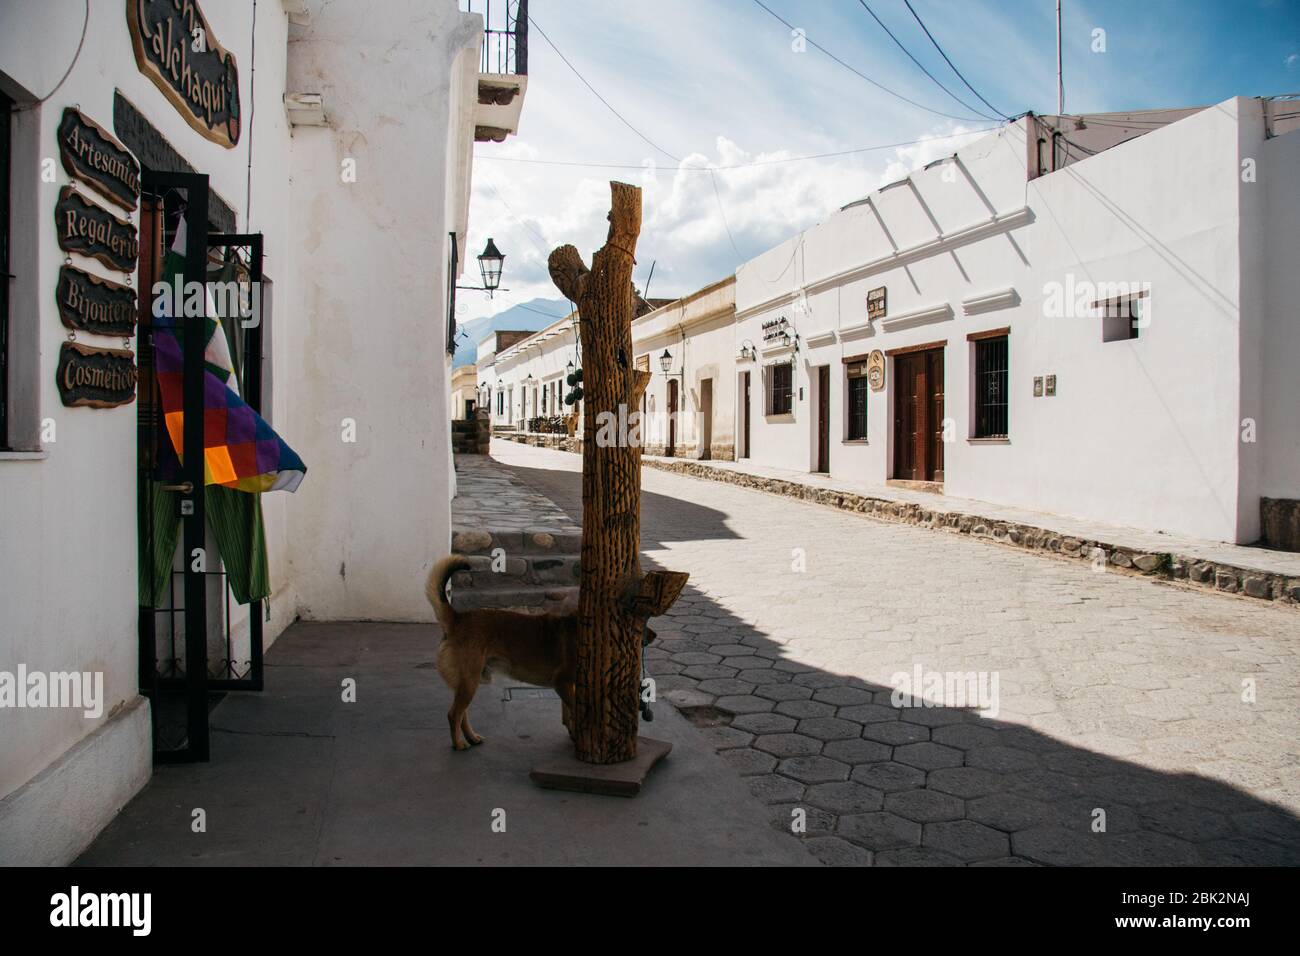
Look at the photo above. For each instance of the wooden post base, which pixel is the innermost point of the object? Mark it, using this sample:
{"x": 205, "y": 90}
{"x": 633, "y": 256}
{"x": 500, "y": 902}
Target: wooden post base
{"x": 567, "y": 772}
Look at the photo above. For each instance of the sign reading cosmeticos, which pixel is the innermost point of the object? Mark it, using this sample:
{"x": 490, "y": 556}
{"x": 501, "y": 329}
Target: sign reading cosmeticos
{"x": 99, "y": 378}
{"x": 175, "y": 48}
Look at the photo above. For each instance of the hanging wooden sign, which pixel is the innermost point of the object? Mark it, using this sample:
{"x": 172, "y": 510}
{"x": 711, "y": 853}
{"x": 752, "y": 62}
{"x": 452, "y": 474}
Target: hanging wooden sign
{"x": 90, "y": 230}
{"x": 91, "y": 304}
{"x": 876, "y": 304}
{"x": 98, "y": 378}
{"x": 90, "y": 154}
{"x": 175, "y": 48}
{"x": 876, "y": 370}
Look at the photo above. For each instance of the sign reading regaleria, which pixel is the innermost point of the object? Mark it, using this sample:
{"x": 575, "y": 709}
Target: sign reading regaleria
{"x": 99, "y": 378}
{"x": 90, "y": 154}
{"x": 85, "y": 228}
{"x": 175, "y": 48}
{"x": 91, "y": 304}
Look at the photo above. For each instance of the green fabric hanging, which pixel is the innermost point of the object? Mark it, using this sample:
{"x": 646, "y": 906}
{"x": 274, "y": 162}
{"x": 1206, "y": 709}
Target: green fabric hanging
{"x": 235, "y": 518}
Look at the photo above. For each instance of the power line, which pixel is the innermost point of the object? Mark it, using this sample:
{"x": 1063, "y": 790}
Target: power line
{"x": 722, "y": 212}
{"x": 859, "y": 73}
{"x": 731, "y": 166}
{"x": 597, "y": 95}
{"x": 919, "y": 64}
{"x": 949, "y": 62}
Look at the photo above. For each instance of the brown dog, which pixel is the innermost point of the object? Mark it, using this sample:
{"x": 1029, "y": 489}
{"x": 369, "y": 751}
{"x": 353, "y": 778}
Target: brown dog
{"x": 534, "y": 648}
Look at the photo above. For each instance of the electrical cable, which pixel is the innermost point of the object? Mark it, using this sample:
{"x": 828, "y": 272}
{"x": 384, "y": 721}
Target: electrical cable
{"x": 949, "y": 62}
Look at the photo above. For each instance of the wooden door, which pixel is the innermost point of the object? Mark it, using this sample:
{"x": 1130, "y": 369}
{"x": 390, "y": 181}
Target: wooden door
{"x": 706, "y": 419}
{"x": 918, "y": 416}
{"x": 744, "y": 411}
{"x": 672, "y": 417}
{"x": 824, "y": 419}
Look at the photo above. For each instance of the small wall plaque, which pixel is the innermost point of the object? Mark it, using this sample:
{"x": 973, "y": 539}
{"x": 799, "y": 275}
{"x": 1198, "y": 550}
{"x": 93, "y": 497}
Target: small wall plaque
{"x": 175, "y": 47}
{"x": 876, "y": 370}
{"x": 1038, "y": 386}
{"x": 90, "y": 230}
{"x": 98, "y": 378}
{"x": 91, "y": 304}
{"x": 1051, "y": 385}
{"x": 876, "y": 304}
{"x": 90, "y": 154}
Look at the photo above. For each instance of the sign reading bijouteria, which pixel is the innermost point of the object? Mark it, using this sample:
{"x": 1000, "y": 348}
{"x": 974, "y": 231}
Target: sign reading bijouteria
{"x": 175, "y": 48}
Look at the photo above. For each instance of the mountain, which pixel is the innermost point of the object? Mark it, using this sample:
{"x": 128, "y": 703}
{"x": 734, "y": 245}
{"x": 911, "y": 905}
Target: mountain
{"x": 533, "y": 316}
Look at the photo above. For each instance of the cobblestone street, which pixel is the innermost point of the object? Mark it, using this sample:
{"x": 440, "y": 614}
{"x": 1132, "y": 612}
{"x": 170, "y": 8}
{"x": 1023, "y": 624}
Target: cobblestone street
{"x": 1137, "y": 723}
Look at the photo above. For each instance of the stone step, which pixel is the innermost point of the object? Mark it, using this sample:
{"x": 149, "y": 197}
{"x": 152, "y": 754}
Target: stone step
{"x": 530, "y": 598}
{"x": 515, "y": 543}
{"x": 540, "y": 570}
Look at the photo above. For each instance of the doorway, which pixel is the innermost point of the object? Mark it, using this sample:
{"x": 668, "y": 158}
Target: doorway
{"x": 746, "y": 452}
{"x": 706, "y": 419}
{"x": 671, "y": 449}
{"x": 824, "y": 419}
{"x": 918, "y": 415}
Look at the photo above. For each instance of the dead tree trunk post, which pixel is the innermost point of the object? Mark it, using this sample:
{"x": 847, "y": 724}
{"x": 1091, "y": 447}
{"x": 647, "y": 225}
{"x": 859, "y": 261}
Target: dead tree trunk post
{"x": 615, "y": 597}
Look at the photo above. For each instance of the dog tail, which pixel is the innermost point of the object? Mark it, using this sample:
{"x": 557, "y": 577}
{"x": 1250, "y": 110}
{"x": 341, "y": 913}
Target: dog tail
{"x": 436, "y": 589}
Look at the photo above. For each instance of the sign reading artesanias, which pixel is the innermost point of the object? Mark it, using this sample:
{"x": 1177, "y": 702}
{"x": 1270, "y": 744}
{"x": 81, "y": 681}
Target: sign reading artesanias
{"x": 175, "y": 48}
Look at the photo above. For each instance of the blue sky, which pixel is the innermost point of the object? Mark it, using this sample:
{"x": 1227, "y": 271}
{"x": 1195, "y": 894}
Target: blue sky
{"x": 719, "y": 83}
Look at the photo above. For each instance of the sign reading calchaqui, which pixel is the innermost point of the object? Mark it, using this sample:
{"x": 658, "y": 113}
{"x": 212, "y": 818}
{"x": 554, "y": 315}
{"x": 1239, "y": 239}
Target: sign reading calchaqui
{"x": 175, "y": 48}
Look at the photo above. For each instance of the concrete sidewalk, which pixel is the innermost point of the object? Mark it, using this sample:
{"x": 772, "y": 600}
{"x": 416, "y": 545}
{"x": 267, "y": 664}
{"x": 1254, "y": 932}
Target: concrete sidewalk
{"x": 298, "y": 777}
{"x": 1255, "y": 572}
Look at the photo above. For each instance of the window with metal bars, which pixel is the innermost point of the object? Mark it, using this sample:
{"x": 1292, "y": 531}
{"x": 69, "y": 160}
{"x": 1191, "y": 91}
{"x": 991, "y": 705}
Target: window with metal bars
{"x": 6, "y": 110}
{"x": 991, "y": 387}
{"x": 858, "y": 389}
{"x": 780, "y": 388}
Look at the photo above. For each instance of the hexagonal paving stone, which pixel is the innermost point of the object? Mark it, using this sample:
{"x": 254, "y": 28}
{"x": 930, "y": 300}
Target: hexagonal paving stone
{"x": 781, "y": 692}
{"x": 843, "y": 696}
{"x": 759, "y": 723}
{"x": 917, "y": 856}
{"x": 966, "y": 736}
{"x": 829, "y": 728}
{"x": 788, "y": 745}
{"x": 818, "y": 679}
{"x": 925, "y": 806}
{"x": 763, "y": 677}
{"x": 895, "y": 732}
{"x": 725, "y": 685}
{"x": 743, "y": 704}
{"x": 857, "y": 750}
{"x": 1145, "y": 848}
{"x": 969, "y": 782}
{"x": 928, "y": 756}
{"x": 966, "y": 840}
{"x": 804, "y": 709}
{"x": 814, "y": 820}
{"x": 844, "y": 796}
{"x": 708, "y": 671}
{"x": 748, "y": 762}
{"x": 1192, "y": 823}
{"x": 1001, "y": 759}
{"x": 1058, "y": 846}
{"x": 888, "y": 776}
{"x": 725, "y": 738}
{"x": 833, "y": 851}
{"x": 935, "y": 716}
{"x": 774, "y": 788}
{"x": 732, "y": 650}
{"x": 1010, "y": 812}
{"x": 696, "y": 657}
{"x": 814, "y": 769}
{"x": 867, "y": 713}
{"x": 783, "y": 663}
{"x": 879, "y": 831}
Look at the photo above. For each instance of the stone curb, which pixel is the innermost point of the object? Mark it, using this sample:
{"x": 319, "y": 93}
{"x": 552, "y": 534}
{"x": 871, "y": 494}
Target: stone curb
{"x": 1184, "y": 568}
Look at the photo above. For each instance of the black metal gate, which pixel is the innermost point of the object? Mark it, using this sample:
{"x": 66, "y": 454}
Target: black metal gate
{"x": 178, "y": 674}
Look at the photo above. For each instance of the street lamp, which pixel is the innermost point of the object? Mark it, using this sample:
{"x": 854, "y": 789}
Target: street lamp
{"x": 666, "y": 361}
{"x": 489, "y": 266}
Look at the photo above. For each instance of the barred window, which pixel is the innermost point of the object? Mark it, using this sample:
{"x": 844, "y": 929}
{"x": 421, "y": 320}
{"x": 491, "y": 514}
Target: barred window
{"x": 780, "y": 387}
{"x": 858, "y": 388}
{"x": 991, "y": 387}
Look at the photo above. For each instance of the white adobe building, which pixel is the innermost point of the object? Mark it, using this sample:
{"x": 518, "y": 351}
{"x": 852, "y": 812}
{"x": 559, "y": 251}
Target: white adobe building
{"x": 1088, "y": 315}
{"x": 532, "y": 374}
{"x": 339, "y": 117}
